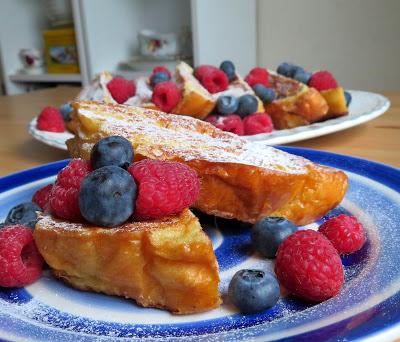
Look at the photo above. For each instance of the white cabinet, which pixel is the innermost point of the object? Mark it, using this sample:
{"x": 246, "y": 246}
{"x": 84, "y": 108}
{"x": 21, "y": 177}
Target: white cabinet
{"x": 106, "y": 34}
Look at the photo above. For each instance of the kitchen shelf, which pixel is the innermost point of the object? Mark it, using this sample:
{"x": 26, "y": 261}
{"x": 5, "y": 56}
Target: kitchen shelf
{"x": 50, "y": 78}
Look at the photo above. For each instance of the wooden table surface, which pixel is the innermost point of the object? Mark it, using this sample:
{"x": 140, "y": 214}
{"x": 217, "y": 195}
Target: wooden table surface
{"x": 377, "y": 140}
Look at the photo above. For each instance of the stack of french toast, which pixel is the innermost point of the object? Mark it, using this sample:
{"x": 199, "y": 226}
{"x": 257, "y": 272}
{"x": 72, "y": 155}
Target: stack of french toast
{"x": 169, "y": 262}
{"x": 259, "y": 103}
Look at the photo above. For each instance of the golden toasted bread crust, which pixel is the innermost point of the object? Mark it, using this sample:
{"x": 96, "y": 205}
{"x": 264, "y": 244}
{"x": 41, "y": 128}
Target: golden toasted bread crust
{"x": 239, "y": 178}
{"x": 296, "y": 104}
{"x": 196, "y": 101}
{"x": 167, "y": 264}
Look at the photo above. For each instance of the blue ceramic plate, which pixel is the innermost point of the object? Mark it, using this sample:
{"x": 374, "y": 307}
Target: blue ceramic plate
{"x": 367, "y": 308}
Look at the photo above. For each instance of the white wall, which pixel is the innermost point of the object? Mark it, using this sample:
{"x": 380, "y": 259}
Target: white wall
{"x": 358, "y": 40}
{"x": 225, "y": 29}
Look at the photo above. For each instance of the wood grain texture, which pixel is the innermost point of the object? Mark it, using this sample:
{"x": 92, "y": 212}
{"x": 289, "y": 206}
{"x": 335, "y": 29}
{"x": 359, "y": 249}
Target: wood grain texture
{"x": 377, "y": 140}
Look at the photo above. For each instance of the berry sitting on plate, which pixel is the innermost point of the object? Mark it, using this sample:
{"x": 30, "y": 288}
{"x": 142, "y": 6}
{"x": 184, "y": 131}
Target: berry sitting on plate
{"x": 50, "y": 120}
{"x": 121, "y": 89}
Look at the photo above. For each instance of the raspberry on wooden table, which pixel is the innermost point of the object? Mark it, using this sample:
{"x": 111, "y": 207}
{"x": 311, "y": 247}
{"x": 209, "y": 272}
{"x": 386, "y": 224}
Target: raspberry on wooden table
{"x": 64, "y": 197}
{"x": 20, "y": 261}
{"x": 165, "y": 188}
{"x": 309, "y": 267}
{"x": 344, "y": 232}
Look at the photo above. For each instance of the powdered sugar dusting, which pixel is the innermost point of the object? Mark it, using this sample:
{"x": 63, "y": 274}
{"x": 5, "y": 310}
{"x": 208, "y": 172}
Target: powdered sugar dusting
{"x": 183, "y": 138}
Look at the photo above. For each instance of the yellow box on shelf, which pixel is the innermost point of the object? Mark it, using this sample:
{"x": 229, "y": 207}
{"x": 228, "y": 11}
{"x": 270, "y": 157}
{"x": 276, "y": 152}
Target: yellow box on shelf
{"x": 60, "y": 51}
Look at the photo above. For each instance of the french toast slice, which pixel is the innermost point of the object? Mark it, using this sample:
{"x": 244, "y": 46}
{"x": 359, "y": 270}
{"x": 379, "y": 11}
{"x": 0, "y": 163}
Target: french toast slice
{"x": 168, "y": 264}
{"x": 238, "y": 178}
{"x": 296, "y": 103}
{"x": 336, "y": 102}
{"x": 196, "y": 101}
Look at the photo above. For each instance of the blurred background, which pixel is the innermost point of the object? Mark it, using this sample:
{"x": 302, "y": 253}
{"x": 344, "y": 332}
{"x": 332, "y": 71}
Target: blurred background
{"x": 44, "y": 43}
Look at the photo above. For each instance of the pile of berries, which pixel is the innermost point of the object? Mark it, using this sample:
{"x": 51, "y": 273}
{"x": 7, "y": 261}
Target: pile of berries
{"x": 166, "y": 94}
{"x": 320, "y": 80}
{"x": 307, "y": 264}
{"x": 107, "y": 191}
{"x": 233, "y": 114}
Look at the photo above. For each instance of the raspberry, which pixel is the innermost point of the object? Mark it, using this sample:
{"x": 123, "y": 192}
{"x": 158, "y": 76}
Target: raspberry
{"x": 258, "y": 76}
{"x": 309, "y": 267}
{"x": 322, "y": 80}
{"x": 257, "y": 123}
{"x": 228, "y": 123}
{"x": 202, "y": 70}
{"x": 20, "y": 261}
{"x": 50, "y": 120}
{"x": 215, "y": 81}
{"x": 344, "y": 232}
{"x": 42, "y": 196}
{"x": 166, "y": 96}
{"x": 161, "y": 68}
{"x": 165, "y": 188}
{"x": 64, "y": 197}
{"x": 121, "y": 89}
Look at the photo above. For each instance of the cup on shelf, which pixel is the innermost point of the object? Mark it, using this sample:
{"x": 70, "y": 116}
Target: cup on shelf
{"x": 32, "y": 60}
{"x": 158, "y": 45}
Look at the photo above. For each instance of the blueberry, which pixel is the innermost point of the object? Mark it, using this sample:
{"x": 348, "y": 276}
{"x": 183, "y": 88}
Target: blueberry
{"x": 348, "y": 97}
{"x": 253, "y": 290}
{"x": 229, "y": 69}
{"x": 248, "y": 104}
{"x": 107, "y": 196}
{"x": 267, "y": 234}
{"x": 65, "y": 110}
{"x": 159, "y": 77}
{"x": 288, "y": 69}
{"x": 302, "y": 75}
{"x": 227, "y": 104}
{"x": 113, "y": 150}
{"x": 264, "y": 93}
{"x": 24, "y": 213}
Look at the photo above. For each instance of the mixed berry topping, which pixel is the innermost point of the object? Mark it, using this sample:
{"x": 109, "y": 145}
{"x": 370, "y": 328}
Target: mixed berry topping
{"x": 163, "y": 69}
{"x": 112, "y": 150}
{"x": 121, "y": 89}
{"x": 20, "y": 261}
{"x": 258, "y": 76}
{"x": 159, "y": 77}
{"x": 248, "y": 104}
{"x": 42, "y": 196}
{"x": 65, "y": 192}
{"x": 229, "y": 69}
{"x": 212, "y": 78}
{"x": 257, "y": 123}
{"x": 164, "y": 188}
{"x": 228, "y": 123}
{"x": 50, "y": 120}
{"x": 344, "y": 232}
{"x": 322, "y": 80}
{"x": 107, "y": 196}
{"x": 265, "y": 94}
{"x": 166, "y": 96}
{"x": 227, "y": 104}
